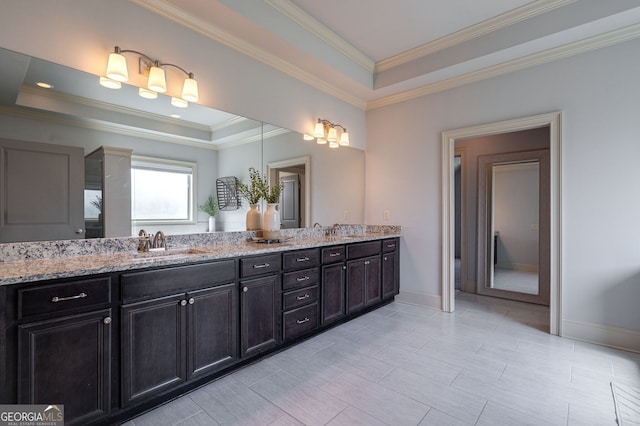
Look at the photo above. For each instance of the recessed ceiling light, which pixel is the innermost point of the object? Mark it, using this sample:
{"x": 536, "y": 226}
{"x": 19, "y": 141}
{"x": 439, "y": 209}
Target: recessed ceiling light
{"x": 44, "y": 85}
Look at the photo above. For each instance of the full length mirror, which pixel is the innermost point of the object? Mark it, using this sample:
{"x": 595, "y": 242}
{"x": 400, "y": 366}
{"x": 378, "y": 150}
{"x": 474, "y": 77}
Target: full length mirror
{"x": 78, "y": 113}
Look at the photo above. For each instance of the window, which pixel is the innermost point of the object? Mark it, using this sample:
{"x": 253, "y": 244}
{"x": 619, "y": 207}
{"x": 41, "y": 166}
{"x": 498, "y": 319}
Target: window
{"x": 162, "y": 191}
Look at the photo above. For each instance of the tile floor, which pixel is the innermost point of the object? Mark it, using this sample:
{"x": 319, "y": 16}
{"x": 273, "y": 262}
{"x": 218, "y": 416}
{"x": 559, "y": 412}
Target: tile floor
{"x": 489, "y": 363}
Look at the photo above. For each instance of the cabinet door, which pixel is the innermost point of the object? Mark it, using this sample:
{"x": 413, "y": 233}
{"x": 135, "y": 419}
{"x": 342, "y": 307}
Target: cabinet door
{"x": 333, "y": 292}
{"x": 212, "y": 329}
{"x": 373, "y": 291}
{"x": 355, "y": 285}
{"x": 259, "y": 314}
{"x": 153, "y": 346}
{"x": 390, "y": 275}
{"x": 67, "y": 361}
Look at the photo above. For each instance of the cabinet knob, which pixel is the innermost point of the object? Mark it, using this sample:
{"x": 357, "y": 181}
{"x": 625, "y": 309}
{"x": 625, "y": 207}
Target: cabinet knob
{"x": 183, "y": 303}
{"x": 344, "y": 267}
{"x": 245, "y": 289}
{"x": 107, "y": 320}
{"x": 385, "y": 258}
{"x": 192, "y": 301}
{"x": 79, "y": 231}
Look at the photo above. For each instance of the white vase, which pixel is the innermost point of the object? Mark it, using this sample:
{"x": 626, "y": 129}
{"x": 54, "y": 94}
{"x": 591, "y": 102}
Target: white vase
{"x": 271, "y": 223}
{"x": 254, "y": 218}
{"x": 212, "y": 223}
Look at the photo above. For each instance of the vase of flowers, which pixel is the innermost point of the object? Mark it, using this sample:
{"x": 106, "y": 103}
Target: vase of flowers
{"x": 252, "y": 192}
{"x": 210, "y": 207}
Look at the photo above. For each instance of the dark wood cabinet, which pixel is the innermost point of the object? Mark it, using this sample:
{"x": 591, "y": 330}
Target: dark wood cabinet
{"x": 153, "y": 346}
{"x": 169, "y": 340}
{"x": 259, "y": 314}
{"x": 390, "y": 275}
{"x": 212, "y": 329}
{"x": 333, "y": 300}
{"x": 112, "y": 345}
{"x": 363, "y": 283}
{"x": 67, "y": 360}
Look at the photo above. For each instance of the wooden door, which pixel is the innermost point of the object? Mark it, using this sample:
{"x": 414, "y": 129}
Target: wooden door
{"x": 212, "y": 329}
{"x": 290, "y": 201}
{"x": 67, "y": 361}
{"x": 41, "y": 191}
{"x": 373, "y": 291}
{"x": 355, "y": 285}
{"x": 390, "y": 275}
{"x": 333, "y": 292}
{"x": 259, "y": 314}
{"x": 153, "y": 347}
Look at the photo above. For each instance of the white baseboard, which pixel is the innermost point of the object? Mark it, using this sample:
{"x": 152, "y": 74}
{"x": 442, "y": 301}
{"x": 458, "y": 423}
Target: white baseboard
{"x": 606, "y": 335}
{"x": 428, "y": 300}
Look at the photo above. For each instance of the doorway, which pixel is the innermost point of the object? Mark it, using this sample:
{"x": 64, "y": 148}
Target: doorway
{"x": 295, "y": 201}
{"x": 552, "y": 122}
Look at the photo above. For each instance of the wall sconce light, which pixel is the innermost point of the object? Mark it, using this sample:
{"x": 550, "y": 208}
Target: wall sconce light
{"x": 117, "y": 74}
{"x": 326, "y": 131}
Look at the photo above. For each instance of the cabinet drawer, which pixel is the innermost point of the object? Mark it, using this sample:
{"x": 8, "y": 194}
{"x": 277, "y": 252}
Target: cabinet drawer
{"x": 298, "y": 279}
{"x": 368, "y": 248}
{"x": 63, "y": 297}
{"x": 301, "y": 259}
{"x": 300, "y": 321}
{"x": 333, "y": 254}
{"x": 259, "y": 265}
{"x": 389, "y": 245}
{"x": 139, "y": 285}
{"x": 301, "y": 297}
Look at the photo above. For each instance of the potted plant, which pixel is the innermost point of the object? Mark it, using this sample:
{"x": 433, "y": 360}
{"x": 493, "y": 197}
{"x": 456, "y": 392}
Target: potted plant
{"x": 210, "y": 207}
{"x": 253, "y": 193}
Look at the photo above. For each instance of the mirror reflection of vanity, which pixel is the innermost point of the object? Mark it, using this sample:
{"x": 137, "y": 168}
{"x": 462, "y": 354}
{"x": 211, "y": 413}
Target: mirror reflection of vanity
{"x": 78, "y": 112}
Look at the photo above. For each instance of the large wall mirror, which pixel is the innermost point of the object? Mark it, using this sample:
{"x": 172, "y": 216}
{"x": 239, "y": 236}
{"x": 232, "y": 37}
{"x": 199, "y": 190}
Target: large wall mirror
{"x": 513, "y": 223}
{"x": 77, "y": 113}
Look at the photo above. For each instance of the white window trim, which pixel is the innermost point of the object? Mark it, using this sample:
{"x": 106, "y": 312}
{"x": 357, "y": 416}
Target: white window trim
{"x": 168, "y": 164}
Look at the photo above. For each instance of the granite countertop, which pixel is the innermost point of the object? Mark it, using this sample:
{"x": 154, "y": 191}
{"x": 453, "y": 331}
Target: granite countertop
{"x": 44, "y": 269}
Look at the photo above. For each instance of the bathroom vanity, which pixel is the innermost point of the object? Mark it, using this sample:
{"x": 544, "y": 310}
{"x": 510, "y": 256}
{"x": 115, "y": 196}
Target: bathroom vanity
{"x": 113, "y": 335}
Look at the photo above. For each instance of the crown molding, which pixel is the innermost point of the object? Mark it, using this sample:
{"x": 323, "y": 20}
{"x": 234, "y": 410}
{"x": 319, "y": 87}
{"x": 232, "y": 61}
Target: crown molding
{"x": 501, "y": 21}
{"x": 596, "y": 42}
{"x": 315, "y": 27}
{"x": 167, "y": 10}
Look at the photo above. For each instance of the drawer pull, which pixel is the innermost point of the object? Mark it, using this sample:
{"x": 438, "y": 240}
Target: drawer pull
{"x": 392, "y": 245}
{"x": 264, "y": 265}
{"x": 305, "y": 278}
{"x": 334, "y": 254}
{"x": 306, "y": 296}
{"x": 302, "y": 259}
{"x": 303, "y": 321}
{"x": 56, "y": 299}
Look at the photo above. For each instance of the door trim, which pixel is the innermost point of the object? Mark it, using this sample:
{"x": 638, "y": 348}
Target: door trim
{"x": 449, "y": 137}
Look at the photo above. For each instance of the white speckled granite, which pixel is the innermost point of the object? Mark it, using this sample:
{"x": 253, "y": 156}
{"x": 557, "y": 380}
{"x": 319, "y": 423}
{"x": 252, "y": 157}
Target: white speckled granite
{"x": 30, "y": 262}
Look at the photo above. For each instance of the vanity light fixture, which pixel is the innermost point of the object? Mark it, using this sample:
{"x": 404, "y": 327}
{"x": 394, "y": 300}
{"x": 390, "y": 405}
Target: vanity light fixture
{"x": 326, "y": 131}
{"x": 117, "y": 73}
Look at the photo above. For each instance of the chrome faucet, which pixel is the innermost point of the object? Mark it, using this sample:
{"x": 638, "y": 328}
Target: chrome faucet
{"x": 317, "y": 225}
{"x": 159, "y": 241}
